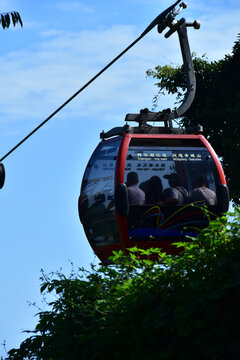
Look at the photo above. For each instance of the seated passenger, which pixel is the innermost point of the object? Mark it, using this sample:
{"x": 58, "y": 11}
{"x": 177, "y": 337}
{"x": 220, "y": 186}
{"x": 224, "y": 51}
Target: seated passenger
{"x": 153, "y": 190}
{"x": 176, "y": 194}
{"x": 202, "y": 193}
{"x": 136, "y": 196}
{"x": 98, "y": 207}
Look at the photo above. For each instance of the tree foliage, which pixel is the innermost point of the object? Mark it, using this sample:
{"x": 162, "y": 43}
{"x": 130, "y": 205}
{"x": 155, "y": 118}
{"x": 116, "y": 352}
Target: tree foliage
{"x": 216, "y": 106}
{"x": 10, "y": 17}
{"x": 181, "y": 307}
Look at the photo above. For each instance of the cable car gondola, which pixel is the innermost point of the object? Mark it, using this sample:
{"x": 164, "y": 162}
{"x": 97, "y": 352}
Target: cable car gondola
{"x": 152, "y": 164}
{"x": 146, "y": 185}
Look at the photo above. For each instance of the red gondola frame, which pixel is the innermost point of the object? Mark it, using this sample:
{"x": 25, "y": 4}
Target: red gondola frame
{"x": 105, "y": 251}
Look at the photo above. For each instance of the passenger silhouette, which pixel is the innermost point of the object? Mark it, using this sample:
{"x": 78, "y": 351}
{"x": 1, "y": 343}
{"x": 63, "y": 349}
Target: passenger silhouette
{"x": 153, "y": 189}
{"x": 98, "y": 207}
{"x": 136, "y": 196}
{"x": 176, "y": 194}
{"x": 202, "y": 194}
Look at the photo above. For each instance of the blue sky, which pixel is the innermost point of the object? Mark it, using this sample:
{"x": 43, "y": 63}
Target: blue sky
{"x": 61, "y": 46}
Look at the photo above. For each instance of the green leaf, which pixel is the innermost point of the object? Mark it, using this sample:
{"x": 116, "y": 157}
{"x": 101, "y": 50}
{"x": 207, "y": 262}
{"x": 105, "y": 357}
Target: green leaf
{"x": 13, "y": 18}
{"x": 19, "y": 18}
{"x": 3, "y": 22}
{"x": 43, "y": 287}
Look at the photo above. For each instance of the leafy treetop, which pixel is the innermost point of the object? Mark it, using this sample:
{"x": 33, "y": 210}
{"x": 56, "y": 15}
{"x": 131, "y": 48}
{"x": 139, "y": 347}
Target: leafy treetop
{"x": 181, "y": 307}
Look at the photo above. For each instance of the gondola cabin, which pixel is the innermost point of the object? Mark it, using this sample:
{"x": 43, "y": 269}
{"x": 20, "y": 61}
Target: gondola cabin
{"x": 146, "y": 186}
{"x": 157, "y": 162}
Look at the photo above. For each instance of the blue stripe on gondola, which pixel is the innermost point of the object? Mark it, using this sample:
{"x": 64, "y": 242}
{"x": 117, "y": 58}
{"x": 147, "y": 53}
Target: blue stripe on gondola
{"x": 167, "y": 232}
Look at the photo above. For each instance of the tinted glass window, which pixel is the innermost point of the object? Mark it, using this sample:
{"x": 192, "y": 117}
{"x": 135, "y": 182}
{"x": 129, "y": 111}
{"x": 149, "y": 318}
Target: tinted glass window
{"x": 166, "y": 172}
{"x": 97, "y": 194}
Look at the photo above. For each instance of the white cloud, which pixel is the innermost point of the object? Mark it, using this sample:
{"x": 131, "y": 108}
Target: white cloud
{"x": 217, "y": 33}
{"x": 38, "y": 81}
{"x": 72, "y": 6}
